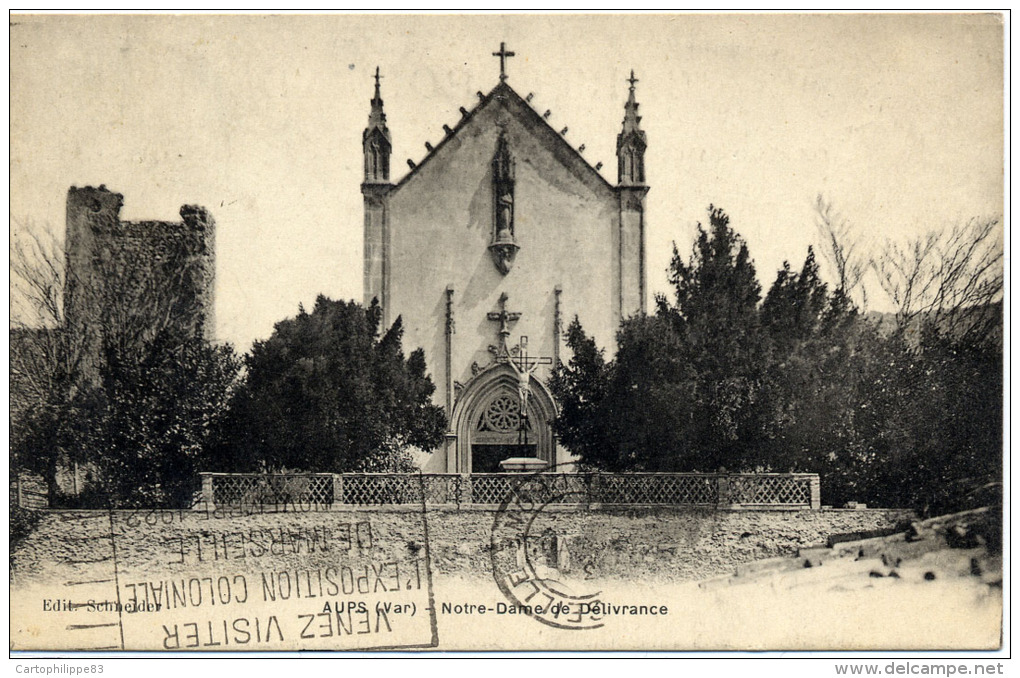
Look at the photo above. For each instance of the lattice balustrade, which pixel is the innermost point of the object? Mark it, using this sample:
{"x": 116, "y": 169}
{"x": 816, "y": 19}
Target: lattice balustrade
{"x": 671, "y": 489}
{"x": 541, "y": 488}
{"x": 446, "y": 488}
{"x": 564, "y": 488}
{"x": 491, "y": 489}
{"x": 770, "y": 490}
{"x": 252, "y": 489}
{"x": 372, "y": 489}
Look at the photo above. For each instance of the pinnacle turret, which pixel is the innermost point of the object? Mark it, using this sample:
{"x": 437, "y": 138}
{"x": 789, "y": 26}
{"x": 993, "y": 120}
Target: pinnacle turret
{"x": 631, "y": 120}
{"x": 375, "y": 140}
{"x": 631, "y": 142}
{"x": 377, "y": 117}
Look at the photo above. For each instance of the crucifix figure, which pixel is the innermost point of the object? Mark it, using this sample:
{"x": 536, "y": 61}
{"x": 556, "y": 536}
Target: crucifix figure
{"x": 504, "y": 318}
{"x": 524, "y": 367}
{"x": 503, "y": 56}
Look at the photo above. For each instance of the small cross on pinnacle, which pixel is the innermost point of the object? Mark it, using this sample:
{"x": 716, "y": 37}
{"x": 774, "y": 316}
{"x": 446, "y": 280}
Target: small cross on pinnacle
{"x": 503, "y": 56}
{"x": 379, "y": 77}
{"x": 632, "y": 79}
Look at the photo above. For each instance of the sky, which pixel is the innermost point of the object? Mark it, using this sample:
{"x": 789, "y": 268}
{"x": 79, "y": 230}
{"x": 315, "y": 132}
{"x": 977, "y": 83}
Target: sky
{"x": 896, "y": 119}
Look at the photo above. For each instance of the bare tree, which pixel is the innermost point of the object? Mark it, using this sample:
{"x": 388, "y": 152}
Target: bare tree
{"x": 44, "y": 356}
{"x": 841, "y": 248}
{"x": 46, "y": 360}
{"x": 948, "y": 280}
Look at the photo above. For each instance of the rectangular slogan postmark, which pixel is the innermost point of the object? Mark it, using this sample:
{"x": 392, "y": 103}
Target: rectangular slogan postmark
{"x": 251, "y": 579}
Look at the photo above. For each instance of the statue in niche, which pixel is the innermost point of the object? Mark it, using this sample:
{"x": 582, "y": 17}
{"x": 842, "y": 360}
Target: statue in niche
{"x": 504, "y": 245}
{"x": 503, "y": 185}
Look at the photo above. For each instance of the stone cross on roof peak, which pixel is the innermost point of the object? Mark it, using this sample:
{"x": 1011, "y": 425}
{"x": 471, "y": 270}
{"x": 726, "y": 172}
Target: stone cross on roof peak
{"x": 503, "y": 56}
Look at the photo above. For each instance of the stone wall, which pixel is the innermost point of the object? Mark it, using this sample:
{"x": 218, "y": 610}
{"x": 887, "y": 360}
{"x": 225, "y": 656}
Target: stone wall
{"x": 636, "y": 544}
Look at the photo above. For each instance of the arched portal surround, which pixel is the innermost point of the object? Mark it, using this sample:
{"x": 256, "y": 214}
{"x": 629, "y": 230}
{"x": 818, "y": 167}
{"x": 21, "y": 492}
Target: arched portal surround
{"x": 496, "y": 384}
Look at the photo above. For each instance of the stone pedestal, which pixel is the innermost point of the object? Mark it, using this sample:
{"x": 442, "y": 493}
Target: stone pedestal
{"x": 522, "y": 464}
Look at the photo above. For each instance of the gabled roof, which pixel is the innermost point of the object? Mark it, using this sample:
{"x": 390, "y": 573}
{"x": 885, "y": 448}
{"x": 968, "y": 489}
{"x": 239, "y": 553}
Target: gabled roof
{"x": 504, "y": 92}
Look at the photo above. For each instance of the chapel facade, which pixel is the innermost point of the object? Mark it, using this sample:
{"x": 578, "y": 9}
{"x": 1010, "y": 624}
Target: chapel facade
{"x": 486, "y": 249}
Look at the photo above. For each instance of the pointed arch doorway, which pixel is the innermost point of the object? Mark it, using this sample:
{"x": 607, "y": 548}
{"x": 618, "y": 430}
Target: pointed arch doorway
{"x": 487, "y": 422}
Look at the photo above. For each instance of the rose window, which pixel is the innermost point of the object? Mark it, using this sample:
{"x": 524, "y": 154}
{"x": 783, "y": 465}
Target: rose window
{"x": 503, "y": 415}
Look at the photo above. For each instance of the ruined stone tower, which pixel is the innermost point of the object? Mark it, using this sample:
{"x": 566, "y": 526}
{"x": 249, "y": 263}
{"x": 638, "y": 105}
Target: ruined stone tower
{"x": 136, "y": 278}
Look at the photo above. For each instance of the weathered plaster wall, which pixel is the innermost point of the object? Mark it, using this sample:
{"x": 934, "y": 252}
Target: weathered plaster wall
{"x": 440, "y": 220}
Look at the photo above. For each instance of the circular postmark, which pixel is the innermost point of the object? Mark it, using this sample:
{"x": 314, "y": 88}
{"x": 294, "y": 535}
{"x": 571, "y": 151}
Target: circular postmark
{"x": 529, "y": 556}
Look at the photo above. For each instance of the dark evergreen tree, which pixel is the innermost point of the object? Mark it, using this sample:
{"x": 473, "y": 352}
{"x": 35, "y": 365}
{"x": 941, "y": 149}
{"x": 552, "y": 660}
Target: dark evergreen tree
{"x": 152, "y": 422}
{"x": 796, "y": 305}
{"x": 909, "y": 417}
{"x": 580, "y": 387}
{"x": 820, "y": 351}
{"x": 655, "y": 399}
{"x": 684, "y": 392}
{"x": 325, "y": 393}
{"x": 715, "y": 319}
